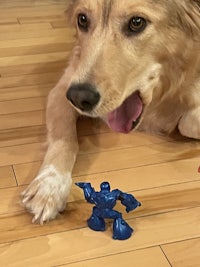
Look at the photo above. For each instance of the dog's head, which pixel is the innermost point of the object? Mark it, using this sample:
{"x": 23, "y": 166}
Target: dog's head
{"x": 129, "y": 52}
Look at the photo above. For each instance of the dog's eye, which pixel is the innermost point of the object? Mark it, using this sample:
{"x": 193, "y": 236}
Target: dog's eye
{"x": 82, "y": 22}
{"x": 137, "y": 25}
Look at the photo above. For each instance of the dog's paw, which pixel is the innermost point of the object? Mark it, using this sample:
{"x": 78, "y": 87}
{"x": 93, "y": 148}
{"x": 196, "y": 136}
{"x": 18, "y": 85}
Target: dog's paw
{"x": 47, "y": 195}
{"x": 189, "y": 124}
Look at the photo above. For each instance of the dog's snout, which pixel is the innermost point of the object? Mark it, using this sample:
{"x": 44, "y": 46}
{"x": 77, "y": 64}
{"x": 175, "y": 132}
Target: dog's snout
{"x": 84, "y": 96}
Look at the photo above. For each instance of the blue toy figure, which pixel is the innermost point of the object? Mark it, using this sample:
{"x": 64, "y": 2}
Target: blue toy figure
{"x": 105, "y": 201}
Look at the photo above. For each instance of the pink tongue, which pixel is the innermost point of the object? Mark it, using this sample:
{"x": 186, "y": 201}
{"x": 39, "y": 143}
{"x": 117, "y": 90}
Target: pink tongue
{"x": 122, "y": 118}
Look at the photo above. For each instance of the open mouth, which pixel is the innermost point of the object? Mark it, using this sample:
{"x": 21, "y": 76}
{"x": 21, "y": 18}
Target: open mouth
{"x": 127, "y": 116}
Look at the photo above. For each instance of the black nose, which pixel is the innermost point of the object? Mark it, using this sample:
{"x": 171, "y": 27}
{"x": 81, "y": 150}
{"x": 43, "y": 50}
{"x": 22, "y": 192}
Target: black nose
{"x": 84, "y": 96}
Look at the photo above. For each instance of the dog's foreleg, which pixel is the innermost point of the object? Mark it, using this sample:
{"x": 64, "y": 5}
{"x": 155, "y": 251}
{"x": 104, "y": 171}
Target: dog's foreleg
{"x": 46, "y": 196}
{"x": 189, "y": 124}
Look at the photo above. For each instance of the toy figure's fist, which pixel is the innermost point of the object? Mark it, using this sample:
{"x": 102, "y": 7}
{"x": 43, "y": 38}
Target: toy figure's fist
{"x": 129, "y": 201}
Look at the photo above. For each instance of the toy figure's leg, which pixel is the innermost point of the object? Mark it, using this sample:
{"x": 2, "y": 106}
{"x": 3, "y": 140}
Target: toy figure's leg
{"x": 110, "y": 214}
{"x": 121, "y": 229}
{"x": 95, "y": 222}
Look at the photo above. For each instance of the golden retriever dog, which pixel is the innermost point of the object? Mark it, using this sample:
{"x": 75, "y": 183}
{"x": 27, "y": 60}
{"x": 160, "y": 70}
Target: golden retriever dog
{"x": 136, "y": 64}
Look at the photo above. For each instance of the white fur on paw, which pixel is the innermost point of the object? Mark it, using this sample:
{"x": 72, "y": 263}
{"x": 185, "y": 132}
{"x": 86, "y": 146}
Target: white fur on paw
{"x": 46, "y": 196}
{"x": 189, "y": 124}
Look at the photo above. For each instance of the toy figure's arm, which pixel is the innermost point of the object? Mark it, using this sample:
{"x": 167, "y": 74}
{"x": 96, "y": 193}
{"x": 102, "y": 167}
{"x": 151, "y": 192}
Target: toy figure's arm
{"x": 88, "y": 191}
{"x": 129, "y": 201}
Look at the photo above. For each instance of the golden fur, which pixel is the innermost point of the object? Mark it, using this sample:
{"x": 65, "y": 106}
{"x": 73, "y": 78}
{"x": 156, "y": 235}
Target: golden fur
{"x": 162, "y": 63}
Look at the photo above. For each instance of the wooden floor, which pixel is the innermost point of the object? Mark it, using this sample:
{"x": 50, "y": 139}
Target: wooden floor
{"x": 161, "y": 173}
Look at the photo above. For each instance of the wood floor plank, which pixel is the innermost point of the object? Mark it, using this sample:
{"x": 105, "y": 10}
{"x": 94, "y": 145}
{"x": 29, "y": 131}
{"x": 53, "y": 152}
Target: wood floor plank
{"x": 36, "y": 118}
{"x": 35, "y": 134}
{"x": 139, "y": 258}
{"x": 33, "y": 59}
{"x": 176, "y": 172}
{"x": 133, "y": 157}
{"x": 35, "y": 43}
{"x": 90, "y": 168}
{"x": 41, "y": 19}
{"x": 84, "y": 244}
{"x": 183, "y": 254}
{"x": 35, "y": 50}
{"x": 26, "y": 34}
{"x": 19, "y": 154}
{"x": 14, "y": 93}
{"x": 7, "y": 177}
{"x": 22, "y": 105}
{"x": 154, "y": 201}
{"x": 34, "y": 11}
{"x": 28, "y": 80}
{"x": 182, "y": 171}
{"x": 34, "y": 152}
{"x": 30, "y": 3}
{"x": 90, "y": 161}
{"x": 21, "y": 136}
{"x": 15, "y": 222}
{"x": 42, "y": 40}
{"x": 113, "y": 141}
{"x": 12, "y": 121}
{"x": 37, "y": 68}
{"x": 26, "y": 172}
{"x": 59, "y": 24}
{"x": 25, "y": 27}
{"x": 8, "y": 21}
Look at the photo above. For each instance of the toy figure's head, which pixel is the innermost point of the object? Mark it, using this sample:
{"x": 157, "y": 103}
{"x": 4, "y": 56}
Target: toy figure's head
{"x": 105, "y": 187}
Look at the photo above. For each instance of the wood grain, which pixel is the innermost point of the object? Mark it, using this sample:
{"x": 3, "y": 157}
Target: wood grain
{"x": 22, "y": 105}
{"x": 139, "y": 258}
{"x": 22, "y": 92}
{"x": 15, "y": 221}
{"x": 35, "y": 43}
{"x": 7, "y": 177}
{"x": 83, "y": 244}
{"x": 184, "y": 254}
{"x": 27, "y": 80}
{"x": 136, "y": 177}
{"x": 31, "y": 118}
{"x": 21, "y": 136}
